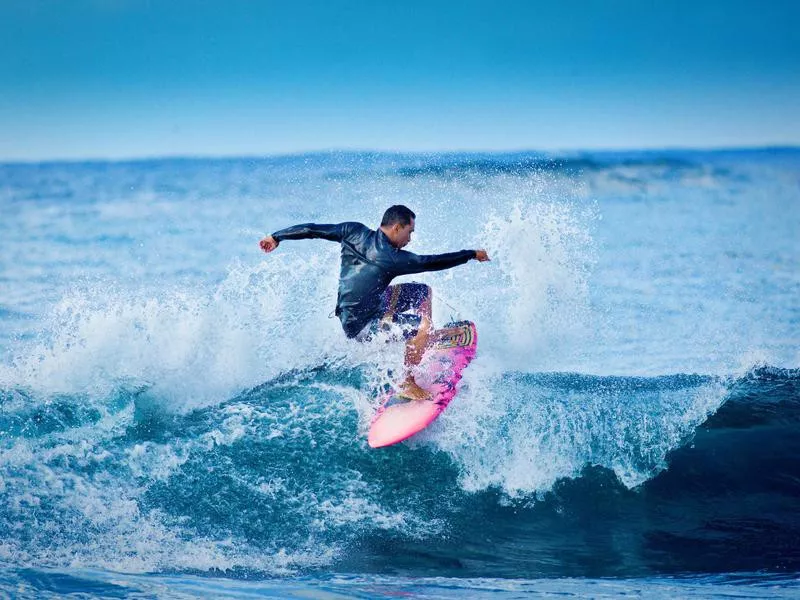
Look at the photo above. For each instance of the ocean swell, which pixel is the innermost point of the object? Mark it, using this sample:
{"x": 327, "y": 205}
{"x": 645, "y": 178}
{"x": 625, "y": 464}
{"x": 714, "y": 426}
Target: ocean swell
{"x": 280, "y": 477}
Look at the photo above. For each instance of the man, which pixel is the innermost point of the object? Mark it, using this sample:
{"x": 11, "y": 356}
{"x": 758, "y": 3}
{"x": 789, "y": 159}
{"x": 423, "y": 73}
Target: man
{"x": 370, "y": 260}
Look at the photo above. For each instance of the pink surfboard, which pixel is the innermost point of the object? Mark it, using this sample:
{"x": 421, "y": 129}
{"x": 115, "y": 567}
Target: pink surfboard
{"x": 397, "y": 418}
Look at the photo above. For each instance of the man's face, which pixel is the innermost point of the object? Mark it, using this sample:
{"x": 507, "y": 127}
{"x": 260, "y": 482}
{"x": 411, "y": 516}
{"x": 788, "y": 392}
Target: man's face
{"x": 403, "y": 236}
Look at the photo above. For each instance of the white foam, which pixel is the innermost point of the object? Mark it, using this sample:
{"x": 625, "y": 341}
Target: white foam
{"x": 535, "y": 311}
{"x": 522, "y": 439}
{"x": 193, "y": 347}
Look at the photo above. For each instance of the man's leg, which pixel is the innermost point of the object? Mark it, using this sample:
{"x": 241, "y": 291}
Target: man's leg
{"x": 416, "y": 346}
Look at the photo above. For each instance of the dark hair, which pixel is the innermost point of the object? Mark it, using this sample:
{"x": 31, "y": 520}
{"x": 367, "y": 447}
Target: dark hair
{"x": 397, "y": 214}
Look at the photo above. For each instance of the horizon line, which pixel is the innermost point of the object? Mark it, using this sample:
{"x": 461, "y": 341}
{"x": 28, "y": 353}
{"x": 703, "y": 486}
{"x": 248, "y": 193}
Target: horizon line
{"x": 408, "y": 153}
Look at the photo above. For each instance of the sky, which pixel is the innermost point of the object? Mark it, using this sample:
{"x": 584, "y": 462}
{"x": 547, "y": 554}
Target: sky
{"x": 115, "y": 79}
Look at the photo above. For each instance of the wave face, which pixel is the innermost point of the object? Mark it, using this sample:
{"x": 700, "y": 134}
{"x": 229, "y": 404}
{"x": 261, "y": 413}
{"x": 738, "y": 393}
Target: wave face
{"x": 573, "y": 475}
{"x": 173, "y": 402}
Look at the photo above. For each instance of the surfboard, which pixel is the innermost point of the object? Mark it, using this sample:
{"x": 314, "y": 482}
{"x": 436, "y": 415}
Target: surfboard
{"x": 440, "y": 370}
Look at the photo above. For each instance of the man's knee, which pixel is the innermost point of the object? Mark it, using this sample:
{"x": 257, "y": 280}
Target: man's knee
{"x": 425, "y": 292}
{"x": 413, "y": 295}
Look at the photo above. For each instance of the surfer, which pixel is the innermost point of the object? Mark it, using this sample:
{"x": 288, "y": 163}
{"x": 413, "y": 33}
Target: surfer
{"x": 370, "y": 260}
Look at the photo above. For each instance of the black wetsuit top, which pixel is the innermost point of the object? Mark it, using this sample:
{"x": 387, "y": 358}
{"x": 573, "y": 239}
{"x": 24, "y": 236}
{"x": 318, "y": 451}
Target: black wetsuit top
{"x": 369, "y": 263}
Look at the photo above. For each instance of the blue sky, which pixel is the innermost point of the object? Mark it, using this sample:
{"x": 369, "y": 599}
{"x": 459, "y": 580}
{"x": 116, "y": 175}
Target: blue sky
{"x": 136, "y": 78}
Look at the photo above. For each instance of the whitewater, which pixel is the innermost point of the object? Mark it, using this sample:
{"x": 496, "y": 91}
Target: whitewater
{"x": 181, "y": 414}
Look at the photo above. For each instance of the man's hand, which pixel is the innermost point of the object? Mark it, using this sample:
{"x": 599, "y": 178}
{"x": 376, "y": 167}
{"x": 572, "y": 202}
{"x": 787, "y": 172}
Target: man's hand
{"x": 268, "y": 244}
{"x": 481, "y": 256}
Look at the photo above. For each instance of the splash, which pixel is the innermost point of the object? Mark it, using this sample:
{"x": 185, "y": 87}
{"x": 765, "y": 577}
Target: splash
{"x": 193, "y": 347}
{"x": 538, "y": 309}
{"x": 522, "y": 433}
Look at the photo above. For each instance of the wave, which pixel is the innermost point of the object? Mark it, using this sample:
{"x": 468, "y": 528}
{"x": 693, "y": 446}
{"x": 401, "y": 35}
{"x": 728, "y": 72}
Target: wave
{"x": 764, "y": 396}
{"x": 525, "y": 164}
{"x": 591, "y": 476}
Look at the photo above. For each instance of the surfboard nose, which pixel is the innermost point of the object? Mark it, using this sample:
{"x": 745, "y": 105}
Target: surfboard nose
{"x": 402, "y": 420}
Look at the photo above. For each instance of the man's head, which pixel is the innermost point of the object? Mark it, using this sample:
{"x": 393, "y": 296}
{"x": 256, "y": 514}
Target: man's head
{"x": 398, "y": 225}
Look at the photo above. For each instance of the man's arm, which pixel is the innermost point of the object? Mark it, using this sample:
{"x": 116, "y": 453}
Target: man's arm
{"x": 407, "y": 263}
{"x": 306, "y": 231}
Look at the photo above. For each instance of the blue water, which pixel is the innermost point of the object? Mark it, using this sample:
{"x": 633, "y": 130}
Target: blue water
{"x": 180, "y": 416}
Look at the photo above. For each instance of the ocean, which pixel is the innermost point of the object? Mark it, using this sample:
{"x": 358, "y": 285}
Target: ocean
{"x": 181, "y": 415}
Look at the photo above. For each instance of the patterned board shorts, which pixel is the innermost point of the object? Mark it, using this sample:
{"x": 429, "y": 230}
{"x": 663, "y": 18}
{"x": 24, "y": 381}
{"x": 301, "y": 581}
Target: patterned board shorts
{"x": 400, "y": 306}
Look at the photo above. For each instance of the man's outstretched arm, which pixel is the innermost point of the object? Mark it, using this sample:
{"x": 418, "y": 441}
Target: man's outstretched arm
{"x": 305, "y": 231}
{"x": 408, "y": 262}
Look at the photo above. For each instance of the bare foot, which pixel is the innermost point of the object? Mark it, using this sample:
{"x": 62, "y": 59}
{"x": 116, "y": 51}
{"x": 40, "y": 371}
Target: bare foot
{"x": 411, "y": 390}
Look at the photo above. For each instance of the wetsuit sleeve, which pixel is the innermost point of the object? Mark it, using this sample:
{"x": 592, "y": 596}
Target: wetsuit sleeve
{"x": 407, "y": 263}
{"x": 307, "y": 231}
